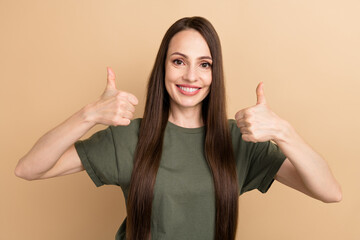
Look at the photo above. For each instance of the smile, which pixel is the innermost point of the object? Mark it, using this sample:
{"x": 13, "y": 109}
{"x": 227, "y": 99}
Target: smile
{"x": 187, "y": 90}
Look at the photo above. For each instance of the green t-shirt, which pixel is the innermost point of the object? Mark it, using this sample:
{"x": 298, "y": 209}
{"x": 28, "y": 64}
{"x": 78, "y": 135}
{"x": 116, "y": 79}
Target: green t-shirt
{"x": 184, "y": 198}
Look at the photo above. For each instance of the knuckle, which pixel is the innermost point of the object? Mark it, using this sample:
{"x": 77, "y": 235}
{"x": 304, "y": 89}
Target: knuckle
{"x": 132, "y": 108}
{"x": 119, "y": 113}
{"x": 251, "y": 129}
{"x": 245, "y": 137}
{"x": 118, "y": 97}
{"x": 131, "y": 115}
{"x": 117, "y": 104}
{"x": 250, "y": 111}
{"x": 126, "y": 122}
{"x": 248, "y": 138}
{"x": 120, "y": 105}
{"x": 247, "y": 114}
{"x": 114, "y": 119}
{"x": 122, "y": 94}
{"x": 117, "y": 107}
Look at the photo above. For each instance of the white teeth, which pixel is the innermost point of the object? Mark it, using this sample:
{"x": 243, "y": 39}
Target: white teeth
{"x": 187, "y": 89}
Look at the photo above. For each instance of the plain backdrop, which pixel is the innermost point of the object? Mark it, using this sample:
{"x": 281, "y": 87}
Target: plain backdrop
{"x": 53, "y": 59}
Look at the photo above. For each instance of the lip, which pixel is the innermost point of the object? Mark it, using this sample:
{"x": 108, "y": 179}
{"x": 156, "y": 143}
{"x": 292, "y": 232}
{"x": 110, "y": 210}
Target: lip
{"x": 188, "y": 86}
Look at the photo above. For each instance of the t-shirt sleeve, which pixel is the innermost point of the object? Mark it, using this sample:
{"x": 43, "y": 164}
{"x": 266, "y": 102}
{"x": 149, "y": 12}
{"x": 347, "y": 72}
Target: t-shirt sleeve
{"x": 256, "y": 163}
{"x": 98, "y": 157}
{"x": 265, "y": 161}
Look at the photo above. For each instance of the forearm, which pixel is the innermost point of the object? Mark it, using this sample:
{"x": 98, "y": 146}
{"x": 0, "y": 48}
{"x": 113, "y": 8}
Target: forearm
{"x": 50, "y": 147}
{"x": 311, "y": 167}
{"x": 114, "y": 108}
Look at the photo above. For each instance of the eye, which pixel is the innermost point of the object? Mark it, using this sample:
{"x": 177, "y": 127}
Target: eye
{"x": 178, "y": 62}
{"x": 205, "y": 65}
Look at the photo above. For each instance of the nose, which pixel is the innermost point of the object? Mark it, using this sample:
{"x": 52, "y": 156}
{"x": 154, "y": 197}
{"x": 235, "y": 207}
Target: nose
{"x": 190, "y": 74}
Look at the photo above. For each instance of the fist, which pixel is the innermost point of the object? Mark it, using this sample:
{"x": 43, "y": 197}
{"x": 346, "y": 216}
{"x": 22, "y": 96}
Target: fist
{"x": 114, "y": 107}
{"x": 258, "y": 123}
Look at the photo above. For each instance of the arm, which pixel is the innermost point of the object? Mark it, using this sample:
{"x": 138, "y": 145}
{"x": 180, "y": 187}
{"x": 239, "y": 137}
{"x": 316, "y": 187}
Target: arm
{"x": 55, "y": 148}
{"x": 54, "y": 153}
{"x": 304, "y": 169}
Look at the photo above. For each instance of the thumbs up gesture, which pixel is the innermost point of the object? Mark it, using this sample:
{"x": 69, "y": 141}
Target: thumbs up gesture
{"x": 114, "y": 107}
{"x": 258, "y": 123}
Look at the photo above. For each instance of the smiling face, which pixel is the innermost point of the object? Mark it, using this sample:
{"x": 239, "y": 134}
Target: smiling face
{"x": 188, "y": 73}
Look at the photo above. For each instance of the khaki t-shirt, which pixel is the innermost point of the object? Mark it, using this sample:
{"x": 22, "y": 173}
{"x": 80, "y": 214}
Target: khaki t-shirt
{"x": 184, "y": 199}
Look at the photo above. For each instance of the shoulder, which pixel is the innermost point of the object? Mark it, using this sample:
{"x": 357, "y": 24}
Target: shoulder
{"x": 235, "y": 133}
{"x": 236, "y": 137}
{"x": 232, "y": 123}
{"x": 129, "y": 131}
{"x": 234, "y": 130}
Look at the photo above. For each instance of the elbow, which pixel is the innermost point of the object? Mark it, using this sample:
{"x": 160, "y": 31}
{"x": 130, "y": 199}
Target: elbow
{"x": 338, "y": 197}
{"x": 334, "y": 197}
{"x": 21, "y": 173}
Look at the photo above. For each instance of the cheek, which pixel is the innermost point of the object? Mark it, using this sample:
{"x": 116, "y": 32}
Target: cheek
{"x": 167, "y": 77}
{"x": 207, "y": 78}
{"x": 167, "y": 85}
{"x": 168, "y": 81}
{"x": 171, "y": 75}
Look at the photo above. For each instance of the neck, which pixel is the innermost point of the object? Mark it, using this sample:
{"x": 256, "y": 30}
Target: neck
{"x": 186, "y": 117}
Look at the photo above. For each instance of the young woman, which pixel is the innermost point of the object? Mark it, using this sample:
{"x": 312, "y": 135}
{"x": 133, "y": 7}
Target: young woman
{"x": 183, "y": 165}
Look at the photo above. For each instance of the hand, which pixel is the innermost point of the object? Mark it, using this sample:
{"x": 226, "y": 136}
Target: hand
{"x": 114, "y": 107}
{"x": 259, "y": 123}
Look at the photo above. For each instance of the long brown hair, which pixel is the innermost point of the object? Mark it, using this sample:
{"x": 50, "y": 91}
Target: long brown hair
{"x": 217, "y": 147}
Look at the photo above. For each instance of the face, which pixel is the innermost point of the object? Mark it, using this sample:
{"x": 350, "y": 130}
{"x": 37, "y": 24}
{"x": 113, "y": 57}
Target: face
{"x": 188, "y": 70}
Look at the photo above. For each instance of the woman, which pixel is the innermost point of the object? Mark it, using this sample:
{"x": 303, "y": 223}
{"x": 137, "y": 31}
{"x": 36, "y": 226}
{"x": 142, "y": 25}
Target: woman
{"x": 184, "y": 151}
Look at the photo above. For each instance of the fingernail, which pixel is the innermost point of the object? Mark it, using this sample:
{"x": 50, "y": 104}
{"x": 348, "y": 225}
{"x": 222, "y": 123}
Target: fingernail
{"x": 110, "y": 72}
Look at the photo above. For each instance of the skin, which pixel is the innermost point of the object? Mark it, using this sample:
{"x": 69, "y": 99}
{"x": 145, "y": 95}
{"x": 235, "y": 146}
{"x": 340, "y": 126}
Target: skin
{"x": 303, "y": 169}
{"x": 187, "y": 65}
{"x": 54, "y": 154}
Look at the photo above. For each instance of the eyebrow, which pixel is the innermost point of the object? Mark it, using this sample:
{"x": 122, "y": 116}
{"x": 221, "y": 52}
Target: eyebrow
{"x": 183, "y": 55}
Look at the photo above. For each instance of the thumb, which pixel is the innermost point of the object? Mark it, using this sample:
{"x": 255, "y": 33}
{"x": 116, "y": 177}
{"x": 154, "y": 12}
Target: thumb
{"x": 110, "y": 78}
{"x": 260, "y": 94}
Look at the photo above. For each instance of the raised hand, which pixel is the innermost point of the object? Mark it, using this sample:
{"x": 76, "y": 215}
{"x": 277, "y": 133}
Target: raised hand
{"x": 114, "y": 107}
{"x": 258, "y": 123}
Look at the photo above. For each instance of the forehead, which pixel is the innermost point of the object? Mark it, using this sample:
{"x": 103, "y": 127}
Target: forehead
{"x": 189, "y": 42}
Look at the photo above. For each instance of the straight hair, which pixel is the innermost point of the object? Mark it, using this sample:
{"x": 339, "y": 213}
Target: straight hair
{"x": 217, "y": 146}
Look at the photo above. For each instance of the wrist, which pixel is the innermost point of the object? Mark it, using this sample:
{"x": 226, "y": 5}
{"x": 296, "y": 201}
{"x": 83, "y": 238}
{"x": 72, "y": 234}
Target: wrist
{"x": 285, "y": 132}
{"x": 87, "y": 114}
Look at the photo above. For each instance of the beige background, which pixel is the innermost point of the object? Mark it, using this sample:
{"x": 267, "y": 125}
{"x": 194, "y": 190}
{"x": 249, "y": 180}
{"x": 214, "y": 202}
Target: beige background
{"x": 53, "y": 58}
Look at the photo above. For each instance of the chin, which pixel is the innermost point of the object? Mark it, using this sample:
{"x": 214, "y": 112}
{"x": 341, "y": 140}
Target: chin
{"x": 189, "y": 104}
